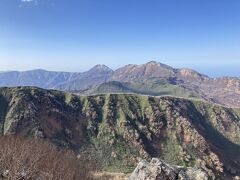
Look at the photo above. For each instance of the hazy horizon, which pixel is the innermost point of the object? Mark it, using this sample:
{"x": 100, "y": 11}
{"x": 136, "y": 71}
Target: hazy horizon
{"x": 210, "y": 71}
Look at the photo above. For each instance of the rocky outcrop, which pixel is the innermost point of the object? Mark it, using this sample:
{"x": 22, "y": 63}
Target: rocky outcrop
{"x": 156, "y": 169}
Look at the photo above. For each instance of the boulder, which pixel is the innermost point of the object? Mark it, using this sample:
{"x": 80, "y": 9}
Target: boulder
{"x": 156, "y": 169}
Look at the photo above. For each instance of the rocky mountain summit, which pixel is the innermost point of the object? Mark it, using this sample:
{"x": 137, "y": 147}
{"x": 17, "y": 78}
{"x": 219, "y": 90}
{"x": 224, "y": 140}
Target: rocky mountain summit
{"x": 153, "y": 69}
{"x": 117, "y": 130}
{"x": 159, "y": 170}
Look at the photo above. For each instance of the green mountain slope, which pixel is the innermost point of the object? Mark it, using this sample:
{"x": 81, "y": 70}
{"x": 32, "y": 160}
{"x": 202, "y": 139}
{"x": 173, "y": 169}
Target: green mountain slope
{"x": 154, "y": 87}
{"x": 116, "y": 130}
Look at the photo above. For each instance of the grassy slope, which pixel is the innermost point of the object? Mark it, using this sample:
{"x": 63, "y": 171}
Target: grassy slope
{"x": 154, "y": 88}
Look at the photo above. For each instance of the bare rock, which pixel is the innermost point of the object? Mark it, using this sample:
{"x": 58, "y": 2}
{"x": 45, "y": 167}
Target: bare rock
{"x": 159, "y": 170}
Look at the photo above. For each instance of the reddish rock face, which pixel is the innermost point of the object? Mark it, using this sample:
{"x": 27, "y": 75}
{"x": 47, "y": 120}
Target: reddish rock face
{"x": 145, "y": 71}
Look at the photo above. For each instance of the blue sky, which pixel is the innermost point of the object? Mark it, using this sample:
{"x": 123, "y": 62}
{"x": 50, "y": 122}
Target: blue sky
{"x": 73, "y": 35}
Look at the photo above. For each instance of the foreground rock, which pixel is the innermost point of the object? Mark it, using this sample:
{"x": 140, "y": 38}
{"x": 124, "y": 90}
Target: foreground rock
{"x": 158, "y": 170}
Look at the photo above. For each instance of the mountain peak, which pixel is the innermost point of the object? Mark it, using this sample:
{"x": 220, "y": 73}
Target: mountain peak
{"x": 155, "y": 63}
{"x": 101, "y": 67}
{"x": 152, "y": 62}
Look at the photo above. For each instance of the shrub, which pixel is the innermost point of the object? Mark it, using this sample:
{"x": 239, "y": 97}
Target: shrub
{"x": 25, "y": 158}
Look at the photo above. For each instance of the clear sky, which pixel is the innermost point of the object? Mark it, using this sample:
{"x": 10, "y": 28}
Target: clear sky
{"x": 73, "y": 35}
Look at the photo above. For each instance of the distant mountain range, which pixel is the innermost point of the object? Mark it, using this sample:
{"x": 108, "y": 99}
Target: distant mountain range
{"x": 152, "y": 78}
{"x": 56, "y": 80}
